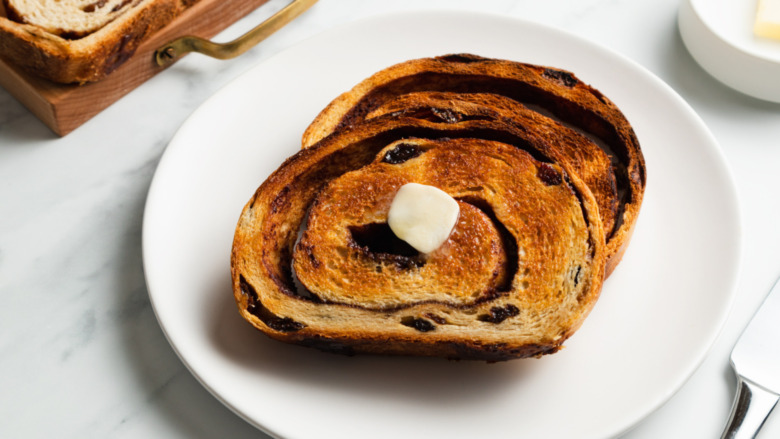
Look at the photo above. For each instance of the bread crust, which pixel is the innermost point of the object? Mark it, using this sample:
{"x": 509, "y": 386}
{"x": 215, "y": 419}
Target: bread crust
{"x": 559, "y": 92}
{"x": 555, "y": 228}
{"x": 92, "y": 57}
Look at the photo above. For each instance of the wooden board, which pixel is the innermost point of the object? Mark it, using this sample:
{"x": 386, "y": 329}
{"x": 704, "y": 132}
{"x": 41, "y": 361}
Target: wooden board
{"x": 64, "y": 108}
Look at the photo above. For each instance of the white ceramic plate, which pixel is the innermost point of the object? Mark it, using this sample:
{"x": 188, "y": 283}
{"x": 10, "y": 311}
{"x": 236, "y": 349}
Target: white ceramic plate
{"x": 658, "y": 315}
{"x": 719, "y": 35}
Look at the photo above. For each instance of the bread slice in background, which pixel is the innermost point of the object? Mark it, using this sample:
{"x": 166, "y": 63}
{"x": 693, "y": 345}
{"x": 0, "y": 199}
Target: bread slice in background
{"x": 67, "y": 44}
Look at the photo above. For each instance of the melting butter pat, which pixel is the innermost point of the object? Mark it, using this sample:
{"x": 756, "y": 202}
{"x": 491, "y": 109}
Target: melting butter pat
{"x": 423, "y": 216}
{"x": 767, "y": 22}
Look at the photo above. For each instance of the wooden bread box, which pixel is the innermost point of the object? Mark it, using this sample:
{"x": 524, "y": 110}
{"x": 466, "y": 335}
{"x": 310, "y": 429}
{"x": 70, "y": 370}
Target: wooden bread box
{"x": 64, "y": 108}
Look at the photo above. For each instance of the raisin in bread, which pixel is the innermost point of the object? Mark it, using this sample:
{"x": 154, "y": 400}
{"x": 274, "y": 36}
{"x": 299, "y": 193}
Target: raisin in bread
{"x": 549, "y": 91}
{"x": 314, "y": 264}
{"x": 78, "y": 41}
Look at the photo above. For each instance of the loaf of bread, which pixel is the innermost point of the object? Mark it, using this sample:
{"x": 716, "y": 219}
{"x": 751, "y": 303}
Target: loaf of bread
{"x": 314, "y": 263}
{"x": 583, "y": 117}
{"x": 78, "y": 41}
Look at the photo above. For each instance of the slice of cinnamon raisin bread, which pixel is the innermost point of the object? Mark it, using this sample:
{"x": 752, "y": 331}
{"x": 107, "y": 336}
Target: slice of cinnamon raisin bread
{"x": 313, "y": 262}
{"x": 71, "y": 19}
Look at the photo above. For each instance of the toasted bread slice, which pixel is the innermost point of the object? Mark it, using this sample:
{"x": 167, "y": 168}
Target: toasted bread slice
{"x": 555, "y": 92}
{"x": 312, "y": 265}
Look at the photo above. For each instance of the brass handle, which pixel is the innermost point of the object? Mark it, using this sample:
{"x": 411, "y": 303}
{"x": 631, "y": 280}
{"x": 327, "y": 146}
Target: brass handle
{"x": 170, "y": 52}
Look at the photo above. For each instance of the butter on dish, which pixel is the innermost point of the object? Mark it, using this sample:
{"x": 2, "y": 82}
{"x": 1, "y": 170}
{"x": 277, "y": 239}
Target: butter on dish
{"x": 767, "y": 22}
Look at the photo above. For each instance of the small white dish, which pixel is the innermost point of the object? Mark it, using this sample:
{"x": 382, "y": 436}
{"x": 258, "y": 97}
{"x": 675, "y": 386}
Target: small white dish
{"x": 657, "y": 317}
{"x": 719, "y": 36}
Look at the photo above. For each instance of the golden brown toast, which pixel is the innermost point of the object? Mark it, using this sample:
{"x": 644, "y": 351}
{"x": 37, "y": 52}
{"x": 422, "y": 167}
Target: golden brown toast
{"x": 314, "y": 264}
{"x": 552, "y": 91}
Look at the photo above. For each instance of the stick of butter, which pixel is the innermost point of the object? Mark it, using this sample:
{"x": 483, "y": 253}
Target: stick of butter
{"x": 423, "y": 216}
{"x": 767, "y": 19}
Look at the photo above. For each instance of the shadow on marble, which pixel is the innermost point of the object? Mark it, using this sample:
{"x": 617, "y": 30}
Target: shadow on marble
{"x": 18, "y": 124}
{"x": 696, "y": 85}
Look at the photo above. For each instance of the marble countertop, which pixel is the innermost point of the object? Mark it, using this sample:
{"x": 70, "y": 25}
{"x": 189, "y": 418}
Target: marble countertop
{"x": 81, "y": 353}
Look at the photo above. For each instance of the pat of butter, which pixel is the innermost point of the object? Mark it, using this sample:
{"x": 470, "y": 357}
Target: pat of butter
{"x": 767, "y": 22}
{"x": 423, "y": 216}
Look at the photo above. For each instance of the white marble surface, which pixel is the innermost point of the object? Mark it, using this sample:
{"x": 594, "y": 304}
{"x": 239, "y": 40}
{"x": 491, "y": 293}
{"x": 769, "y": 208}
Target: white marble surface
{"x": 81, "y": 354}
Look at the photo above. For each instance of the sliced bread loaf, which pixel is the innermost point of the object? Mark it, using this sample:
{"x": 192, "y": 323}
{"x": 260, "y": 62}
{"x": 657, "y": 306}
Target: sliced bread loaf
{"x": 77, "y": 41}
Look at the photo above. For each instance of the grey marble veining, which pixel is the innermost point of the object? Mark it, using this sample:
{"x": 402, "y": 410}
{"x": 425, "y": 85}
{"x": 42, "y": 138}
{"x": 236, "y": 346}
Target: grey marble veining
{"x": 81, "y": 353}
